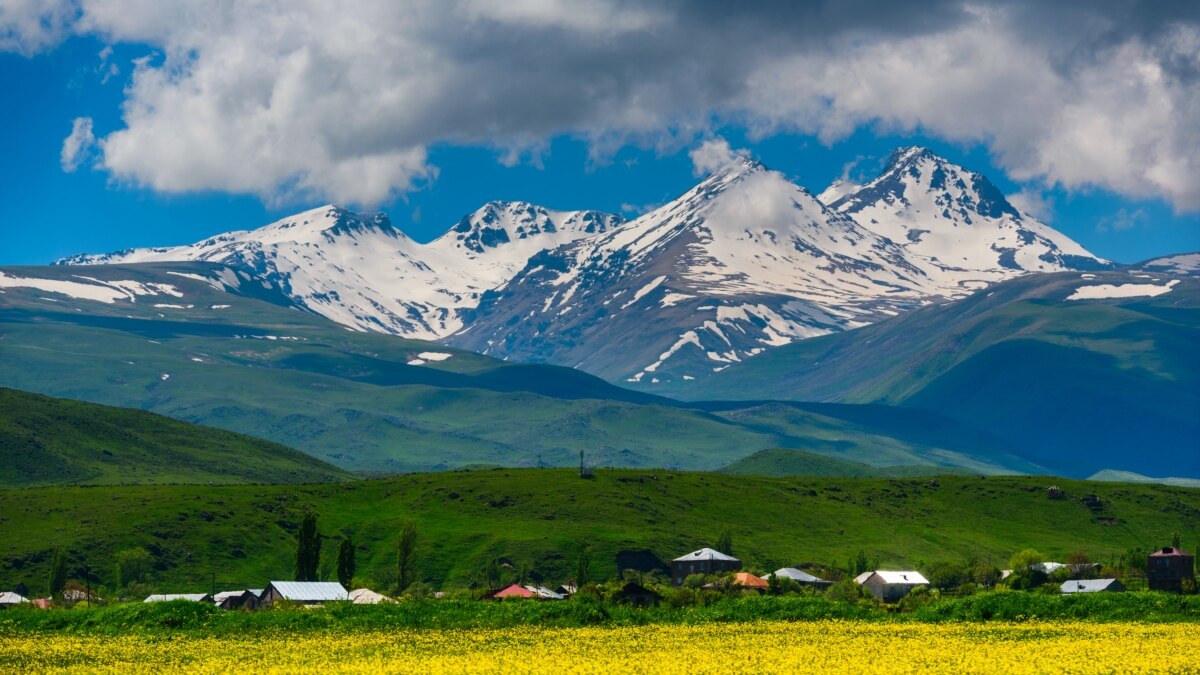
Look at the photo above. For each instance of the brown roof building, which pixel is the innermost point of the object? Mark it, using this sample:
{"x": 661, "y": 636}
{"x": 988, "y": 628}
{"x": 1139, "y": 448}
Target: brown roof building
{"x": 1168, "y": 567}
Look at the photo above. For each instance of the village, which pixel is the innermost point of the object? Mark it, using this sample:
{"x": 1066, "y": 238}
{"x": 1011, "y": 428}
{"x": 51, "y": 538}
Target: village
{"x": 1168, "y": 569}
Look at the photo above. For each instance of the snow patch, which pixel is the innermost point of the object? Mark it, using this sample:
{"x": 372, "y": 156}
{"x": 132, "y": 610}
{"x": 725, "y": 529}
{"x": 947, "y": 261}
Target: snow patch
{"x": 1121, "y": 291}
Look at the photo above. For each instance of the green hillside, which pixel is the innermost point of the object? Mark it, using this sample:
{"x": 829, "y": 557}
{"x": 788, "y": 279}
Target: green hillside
{"x": 1075, "y": 385}
{"x": 789, "y": 462}
{"x": 536, "y": 517}
{"x": 46, "y": 441}
{"x": 235, "y": 359}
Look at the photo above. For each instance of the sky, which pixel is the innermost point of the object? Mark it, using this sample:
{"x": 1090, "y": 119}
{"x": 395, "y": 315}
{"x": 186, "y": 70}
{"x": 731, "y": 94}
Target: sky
{"x": 160, "y": 122}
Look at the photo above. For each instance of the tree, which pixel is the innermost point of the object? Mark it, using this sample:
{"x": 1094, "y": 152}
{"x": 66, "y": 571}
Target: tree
{"x": 1176, "y": 540}
{"x": 58, "y": 573}
{"x": 860, "y": 564}
{"x": 132, "y": 566}
{"x": 308, "y": 549}
{"x": 583, "y": 564}
{"x": 1022, "y": 560}
{"x": 406, "y": 554}
{"x": 725, "y": 542}
{"x": 345, "y": 562}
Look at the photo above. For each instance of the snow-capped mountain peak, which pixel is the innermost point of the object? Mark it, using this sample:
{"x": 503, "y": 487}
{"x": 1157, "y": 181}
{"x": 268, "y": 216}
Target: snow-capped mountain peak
{"x": 956, "y": 221}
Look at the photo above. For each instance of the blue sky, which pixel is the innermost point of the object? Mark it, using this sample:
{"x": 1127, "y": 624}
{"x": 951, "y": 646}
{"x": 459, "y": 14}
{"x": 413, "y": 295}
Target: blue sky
{"x": 139, "y": 198}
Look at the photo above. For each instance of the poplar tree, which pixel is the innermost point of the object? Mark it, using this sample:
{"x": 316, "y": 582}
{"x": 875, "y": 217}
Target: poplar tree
{"x": 308, "y": 549}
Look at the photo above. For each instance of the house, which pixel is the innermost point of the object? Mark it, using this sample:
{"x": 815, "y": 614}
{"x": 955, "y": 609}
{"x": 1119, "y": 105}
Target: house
{"x": 750, "y": 581}
{"x": 168, "y": 597}
{"x": 1168, "y": 567}
{"x": 244, "y": 599}
{"x": 303, "y": 592}
{"x": 566, "y": 590}
{"x": 10, "y": 599}
{"x": 703, "y": 561}
{"x": 1092, "y": 586}
{"x": 543, "y": 593}
{"x": 862, "y": 578}
{"x": 510, "y": 591}
{"x": 801, "y": 577}
{"x": 891, "y": 586}
{"x": 366, "y": 596}
{"x": 637, "y": 595}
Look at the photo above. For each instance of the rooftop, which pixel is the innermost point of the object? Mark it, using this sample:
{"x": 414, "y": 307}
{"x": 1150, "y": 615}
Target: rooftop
{"x": 705, "y": 554}
{"x": 310, "y": 591}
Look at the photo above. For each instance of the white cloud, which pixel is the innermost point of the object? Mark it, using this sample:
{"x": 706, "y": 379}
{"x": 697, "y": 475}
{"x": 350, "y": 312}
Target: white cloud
{"x": 304, "y": 98}
{"x": 1123, "y": 219}
{"x": 712, "y": 154}
{"x": 1033, "y": 201}
{"x": 79, "y": 147}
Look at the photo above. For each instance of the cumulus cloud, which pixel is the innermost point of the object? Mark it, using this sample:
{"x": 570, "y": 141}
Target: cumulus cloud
{"x": 1034, "y": 202}
{"x": 341, "y": 101}
{"x": 79, "y": 147}
{"x": 1123, "y": 219}
{"x": 712, "y": 154}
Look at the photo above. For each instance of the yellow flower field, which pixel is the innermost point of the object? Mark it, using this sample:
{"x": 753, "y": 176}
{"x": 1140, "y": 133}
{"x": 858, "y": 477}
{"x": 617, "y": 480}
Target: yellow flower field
{"x": 833, "y": 646}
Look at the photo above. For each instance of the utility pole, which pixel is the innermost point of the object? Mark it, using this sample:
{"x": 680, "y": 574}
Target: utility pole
{"x": 87, "y": 583}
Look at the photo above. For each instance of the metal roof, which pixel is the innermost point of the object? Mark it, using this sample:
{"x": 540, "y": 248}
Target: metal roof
{"x": 310, "y": 591}
{"x": 544, "y": 593}
{"x": 903, "y": 577}
{"x": 860, "y": 579}
{"x": 167, "y": 597}
{"x": 366, "y": 596}
{"x": 1169, "y": 551}
{"x": 10, "y": 598}
{"x": 1086, "y": 585}
{"x": 705, "y": 554}
{"x": 799, "y": 576}
{"x": 749, "y": 580}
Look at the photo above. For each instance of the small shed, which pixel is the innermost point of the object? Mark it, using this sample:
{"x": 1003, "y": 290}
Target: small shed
{"x": 801, "y": 577}
{"x": 637, "y": 595}
{"x": 366, "y": 596}
{"x": 892, "y": 585}
{"x": 243, "y": 599}
{"x": 1092, "y": 586}
{"x": 1168, "y": 567}
{"x": 303, "y": 592}
{"x": 702, "y": 561}
{"x": 566, "y": 590}
{"x": 10, "y": 599}
{"x": 190, "y": 597}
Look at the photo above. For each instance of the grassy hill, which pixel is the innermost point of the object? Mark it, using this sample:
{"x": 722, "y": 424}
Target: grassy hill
{"x": 45, "y": 441}
{"x": 229, "y": 356}
{"x": 789, "y": 462}
{"x": 536, "y": 517}
{"x": 1077, "y": 385}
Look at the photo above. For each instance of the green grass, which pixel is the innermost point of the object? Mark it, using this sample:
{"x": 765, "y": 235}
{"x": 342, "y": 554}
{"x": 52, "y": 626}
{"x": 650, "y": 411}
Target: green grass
{"x": 535, "y": 518}
{"x": 182, "y": 617}
{"x": 351, "y": 398}
{"x": 45, "y": 441}
{"x": 789, "y": 462}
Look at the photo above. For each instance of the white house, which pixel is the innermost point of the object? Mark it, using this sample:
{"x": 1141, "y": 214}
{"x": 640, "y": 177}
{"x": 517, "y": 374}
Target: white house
{"x": 191, "y": 597}
{"x": 800, "y": 576}
{"x": 303, "y": 592}
{"x": 890, "y": 586}
{"x": 10, "y": 599}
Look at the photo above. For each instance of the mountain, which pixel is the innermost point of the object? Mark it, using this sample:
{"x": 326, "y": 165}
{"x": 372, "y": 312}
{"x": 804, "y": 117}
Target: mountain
{"x": 50, "y": 441}
{"x": 363, "y": 272}
{"x": 199, "y": 342}
{"x": 747, "y": 261}
{"x": 743, "y": 262}
{"x": 959, "y": 224}
{"x": 1082, "y": 372}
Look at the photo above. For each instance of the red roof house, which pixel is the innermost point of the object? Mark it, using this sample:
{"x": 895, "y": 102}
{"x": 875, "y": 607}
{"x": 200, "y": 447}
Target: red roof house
{"x": 513, "y": 591}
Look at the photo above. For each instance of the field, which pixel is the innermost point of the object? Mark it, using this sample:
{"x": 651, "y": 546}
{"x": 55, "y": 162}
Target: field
{"x": 536, "y": 517}
{"x": 752, "y": 647}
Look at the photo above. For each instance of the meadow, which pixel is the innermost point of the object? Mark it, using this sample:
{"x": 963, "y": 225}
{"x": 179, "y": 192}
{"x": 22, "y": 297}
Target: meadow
{"x": 245, "y": 535}
{"x": 759, "y": 647}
